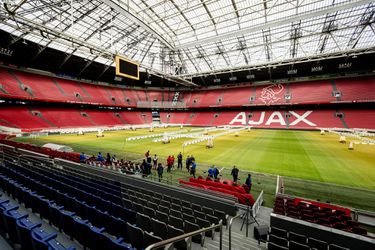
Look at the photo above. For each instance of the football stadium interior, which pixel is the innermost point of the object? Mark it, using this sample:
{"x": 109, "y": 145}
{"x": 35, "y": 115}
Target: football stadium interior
{"x": 187, "y": 124}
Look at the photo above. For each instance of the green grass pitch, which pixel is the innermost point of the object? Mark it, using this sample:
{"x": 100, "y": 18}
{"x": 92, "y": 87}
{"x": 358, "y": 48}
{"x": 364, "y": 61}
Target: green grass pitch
{"x": 299, "y": 154}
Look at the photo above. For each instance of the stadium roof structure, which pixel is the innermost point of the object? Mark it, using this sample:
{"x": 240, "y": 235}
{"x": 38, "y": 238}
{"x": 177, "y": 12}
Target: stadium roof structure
{"x": 183, "y": 39}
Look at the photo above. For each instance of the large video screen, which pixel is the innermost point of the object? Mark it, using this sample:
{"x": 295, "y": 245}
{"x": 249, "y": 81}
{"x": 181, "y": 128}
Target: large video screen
{"x": 127, "y": 68}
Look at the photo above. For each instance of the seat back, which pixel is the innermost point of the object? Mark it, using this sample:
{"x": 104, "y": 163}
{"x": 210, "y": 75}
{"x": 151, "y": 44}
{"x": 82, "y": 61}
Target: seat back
{"x": 162, "y": 217}
{"x": 174, "y": 232}
{"x": 336, "y": 247}
{"x": 297, "y": 238}
{"x": 144, "y": 222}
{"x": 149, "y": 211}
{"x": 273, "y": 246}
{"x": 150, "y": 239}
{"x": 159, "y": 228}
{"x": 204, "y": 224}
{"x": 136, "y": 235}
{"x": 278, "y": 240}
{"x": 176, "y": 222}
{"x": 297, "y": 246}
{"x": 191, "y": 227}
{"x": 188, "y": 217}
{"x": 317, "y": 244}
{"x": 221, "y": 216}
{"x": 279, "y": 232}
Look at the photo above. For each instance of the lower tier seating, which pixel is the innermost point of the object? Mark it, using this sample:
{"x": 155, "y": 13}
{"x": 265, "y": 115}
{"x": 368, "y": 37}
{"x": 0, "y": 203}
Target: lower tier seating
{"x": 102, "y": 210}
{"x": 236, "y": 191}
{"x": 320, "y": 213}
{"x": 280, "y": 239}
{"x": 53, "y": 118}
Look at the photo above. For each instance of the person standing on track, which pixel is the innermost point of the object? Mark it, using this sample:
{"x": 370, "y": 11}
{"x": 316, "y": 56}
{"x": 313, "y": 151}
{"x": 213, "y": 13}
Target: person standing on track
{"x": 179, "y": 161}
{"x": 169, "y": 164}
{"x": 160, "y": 171}
{"x": 188, "y": 163}
{"x": 155, "y": 161}
{"x": 234, "y": 173}
{"x": 193, "y": 169}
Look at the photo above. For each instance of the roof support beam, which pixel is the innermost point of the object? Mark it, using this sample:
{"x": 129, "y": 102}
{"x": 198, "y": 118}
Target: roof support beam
{"x": 208, "y": 12}
{"x": 13, "y": 10}
{"x": 287, "y": 20}
{"x": 116, "y": 5}
{"x": 69, "y": 39}
{"x": 365, "y": 20}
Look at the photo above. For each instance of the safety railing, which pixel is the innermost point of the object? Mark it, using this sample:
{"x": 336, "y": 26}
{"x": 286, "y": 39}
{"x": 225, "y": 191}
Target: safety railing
{"x": 169, "y": 242}
{"x": 230, "y": 230}
{"x": 258, "y": 204}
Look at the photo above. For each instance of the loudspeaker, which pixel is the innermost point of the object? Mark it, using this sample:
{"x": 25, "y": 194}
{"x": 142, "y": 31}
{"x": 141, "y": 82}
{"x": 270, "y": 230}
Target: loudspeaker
{"x": 261, "y": 232}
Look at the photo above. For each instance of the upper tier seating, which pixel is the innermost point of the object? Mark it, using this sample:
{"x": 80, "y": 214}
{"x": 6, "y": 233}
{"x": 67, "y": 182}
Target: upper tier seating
{"x": 356, "y": 89}
{"x": 17, "y": 84}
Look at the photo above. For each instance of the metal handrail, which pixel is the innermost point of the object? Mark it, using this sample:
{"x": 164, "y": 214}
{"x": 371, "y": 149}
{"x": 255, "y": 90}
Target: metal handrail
{"x": 257, "y": 204}
{"x": 188, "y": 235}
{"x": 230, "y": 229}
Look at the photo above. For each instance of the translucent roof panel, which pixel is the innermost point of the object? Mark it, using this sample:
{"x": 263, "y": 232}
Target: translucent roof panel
{"x": 201, "y": 36}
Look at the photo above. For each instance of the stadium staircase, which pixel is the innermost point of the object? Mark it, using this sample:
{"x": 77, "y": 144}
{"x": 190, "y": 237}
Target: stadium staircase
{"x": 8, "y": 124}
{"x": 215, "y": 116}
{"x": 3, "y": 90}
{"x": 84, "y": 114}
{"x": 341, "y": 117}
{"x": 39, "y": 114}
{"x": 59, "y": 87}
{"x": 84, "y": 90}
{"x": 118, "y": 115}
{"x": 22, "y": 85}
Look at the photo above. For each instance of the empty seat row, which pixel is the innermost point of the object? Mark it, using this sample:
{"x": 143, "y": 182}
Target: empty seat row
{"x": 72, "y": 224}
{"x": 281, "y": 239}
{"x": 168, "y": 230}
{"x": 21, "y": 230}
{"x": 325, "y": 216}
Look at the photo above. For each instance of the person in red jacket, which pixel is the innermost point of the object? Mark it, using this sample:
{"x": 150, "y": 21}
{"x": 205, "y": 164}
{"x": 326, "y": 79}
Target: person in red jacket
{"x": 169, "y": 164}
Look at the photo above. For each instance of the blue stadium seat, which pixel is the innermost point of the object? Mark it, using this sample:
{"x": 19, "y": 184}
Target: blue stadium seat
{"x": 55, "y": 245}
{"x": 68, "y": 224}
{"x": 10, "y": 219}
{"x": 118, "y": 244}
{"x": 55, "y": 215}
{"x": 150, "y": 239}
{"x": 39, "y": 239}
{"x": 98, "y": 240}
{"x": 24, "y": 227}
{"x": 83, "y": 232}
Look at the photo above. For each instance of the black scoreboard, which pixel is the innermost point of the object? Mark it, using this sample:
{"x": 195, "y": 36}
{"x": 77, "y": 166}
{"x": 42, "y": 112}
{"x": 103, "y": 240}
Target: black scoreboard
{"x": 127, "y": 68}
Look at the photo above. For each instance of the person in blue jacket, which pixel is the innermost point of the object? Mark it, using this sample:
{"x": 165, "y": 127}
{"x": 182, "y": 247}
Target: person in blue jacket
{"x": 193, "y": 169}
{"x": 100, "y": 157}
{"x": 216, "y": 172}
{"x": 211, "y": 172}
